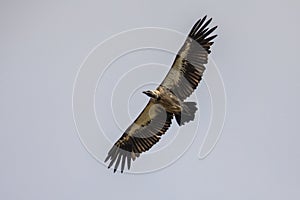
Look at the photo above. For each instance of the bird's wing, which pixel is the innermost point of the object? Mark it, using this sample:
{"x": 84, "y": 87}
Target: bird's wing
{"x": 188, "y": 67}
{"x": 140, "y": 136}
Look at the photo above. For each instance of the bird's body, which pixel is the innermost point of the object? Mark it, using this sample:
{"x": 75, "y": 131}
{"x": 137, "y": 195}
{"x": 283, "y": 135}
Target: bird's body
{"x": 183, "y": 111}
{"x": 168, "y": 99}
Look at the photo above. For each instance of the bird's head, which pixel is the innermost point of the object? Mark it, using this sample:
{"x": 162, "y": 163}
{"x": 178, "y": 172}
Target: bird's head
{"x": 151, "y": 93}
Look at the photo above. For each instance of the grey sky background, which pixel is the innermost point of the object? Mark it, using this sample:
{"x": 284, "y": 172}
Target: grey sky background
{"x": 43, "y": 44}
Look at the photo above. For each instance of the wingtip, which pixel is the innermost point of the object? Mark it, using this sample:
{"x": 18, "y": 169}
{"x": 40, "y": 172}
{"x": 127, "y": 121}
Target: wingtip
{"x": 106, "y": 159}
{"x": 208, "y": 22}
{"x": 214, "y": 28}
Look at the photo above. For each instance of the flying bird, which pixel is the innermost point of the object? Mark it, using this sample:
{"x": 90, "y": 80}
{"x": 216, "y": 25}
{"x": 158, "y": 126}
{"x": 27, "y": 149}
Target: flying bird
{"x": 168, "y": 99}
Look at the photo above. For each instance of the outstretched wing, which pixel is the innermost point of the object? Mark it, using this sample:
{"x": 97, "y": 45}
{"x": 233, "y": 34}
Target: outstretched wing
{"x": 140, "y": 136}
{"x": 188, "y": 67}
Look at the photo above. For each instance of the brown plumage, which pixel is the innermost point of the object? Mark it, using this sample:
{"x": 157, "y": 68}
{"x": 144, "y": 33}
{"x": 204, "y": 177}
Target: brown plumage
{"x": 167, "y": 100}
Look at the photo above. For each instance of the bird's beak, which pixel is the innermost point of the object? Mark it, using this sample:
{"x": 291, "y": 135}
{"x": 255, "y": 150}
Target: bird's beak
{"x": 148, "y": 93}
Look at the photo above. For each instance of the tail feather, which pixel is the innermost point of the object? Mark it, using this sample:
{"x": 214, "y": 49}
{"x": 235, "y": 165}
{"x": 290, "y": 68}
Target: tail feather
{"x": 187, "y": 113}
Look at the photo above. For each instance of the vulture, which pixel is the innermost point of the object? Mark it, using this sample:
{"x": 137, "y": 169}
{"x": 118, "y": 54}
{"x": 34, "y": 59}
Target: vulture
{"x": 167, "y": 101}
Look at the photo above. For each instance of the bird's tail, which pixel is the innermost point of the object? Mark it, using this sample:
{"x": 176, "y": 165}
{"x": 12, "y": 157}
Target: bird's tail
{"x": 187, "y": 113}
